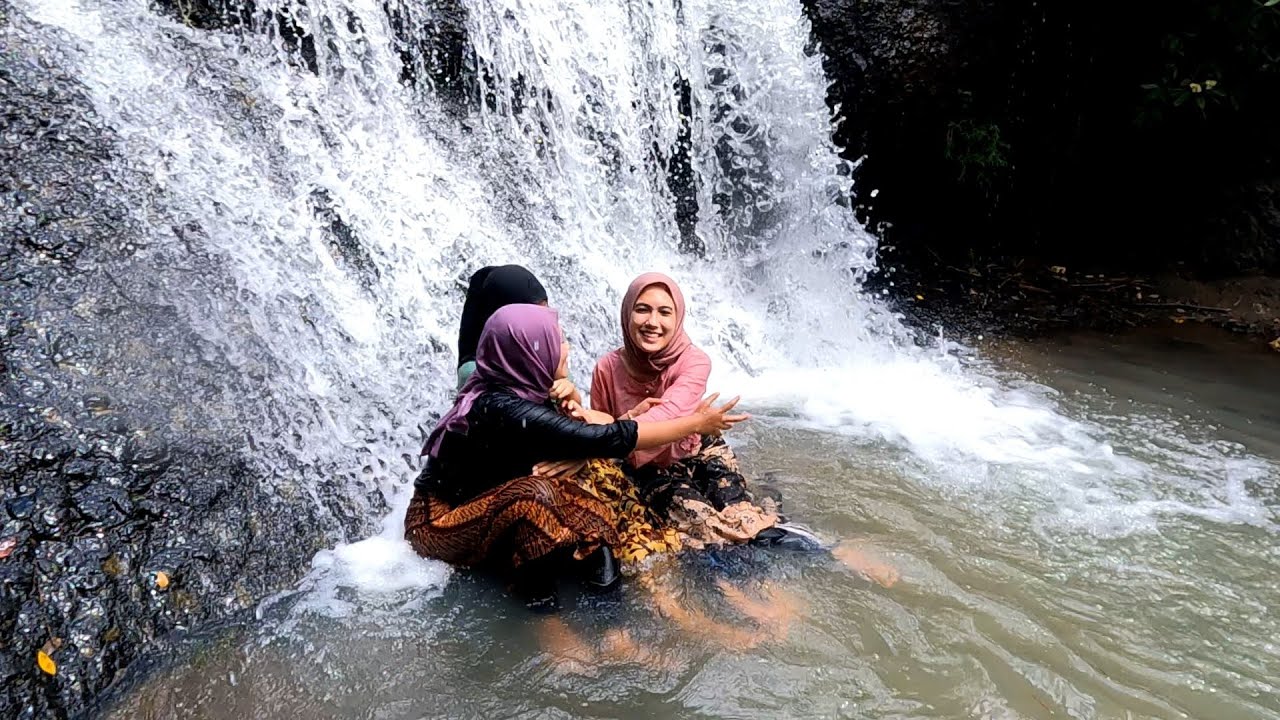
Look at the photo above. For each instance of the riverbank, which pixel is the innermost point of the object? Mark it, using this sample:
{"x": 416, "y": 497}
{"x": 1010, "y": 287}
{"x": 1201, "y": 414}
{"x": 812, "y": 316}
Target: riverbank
{"x": 1029, "y": 298}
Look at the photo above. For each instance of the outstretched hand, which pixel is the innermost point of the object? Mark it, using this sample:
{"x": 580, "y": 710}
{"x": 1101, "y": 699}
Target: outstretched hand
{"x": 715, "y": 420}
{"x": 576, "y": 411}
{"x": 641, "y": 408}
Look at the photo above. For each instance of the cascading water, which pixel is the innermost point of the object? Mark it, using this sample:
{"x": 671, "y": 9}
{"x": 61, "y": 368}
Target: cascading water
{"x": 342, "y": 210}
{"x": 332, "y": 206}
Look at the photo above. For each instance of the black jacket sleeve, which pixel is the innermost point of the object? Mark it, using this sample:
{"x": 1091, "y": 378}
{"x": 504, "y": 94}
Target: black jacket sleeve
{"x": 552, "y": 436}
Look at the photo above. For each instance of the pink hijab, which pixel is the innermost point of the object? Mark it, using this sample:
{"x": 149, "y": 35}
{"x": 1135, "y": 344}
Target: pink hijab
{"x": 677, "y": 374}
{"x": 639, "y": 365}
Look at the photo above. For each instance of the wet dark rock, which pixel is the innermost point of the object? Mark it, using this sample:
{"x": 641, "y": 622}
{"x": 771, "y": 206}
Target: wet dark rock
{"x": 20, "y": 507}
{"x": 103, "y": 505}
{"x": 52, "y": 512}
{"x": 344, "y": 243}
{"x": 990, "y": 130}
{"x": 121, "y": 430}
{"x": 81, "y": 467}
{"x": 678, "y": 163}
{"x": 431, "y": 40}
{"x": 208, "y": 14}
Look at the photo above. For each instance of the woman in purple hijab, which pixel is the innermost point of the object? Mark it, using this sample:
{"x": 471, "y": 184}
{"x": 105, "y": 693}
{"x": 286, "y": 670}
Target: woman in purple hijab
{"x": 478, "y": 503}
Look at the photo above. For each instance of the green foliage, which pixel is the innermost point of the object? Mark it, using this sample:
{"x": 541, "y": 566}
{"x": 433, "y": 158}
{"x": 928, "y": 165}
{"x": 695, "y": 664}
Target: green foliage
{"x": 981, "y": 156}
{"x": 1216, "y": 58}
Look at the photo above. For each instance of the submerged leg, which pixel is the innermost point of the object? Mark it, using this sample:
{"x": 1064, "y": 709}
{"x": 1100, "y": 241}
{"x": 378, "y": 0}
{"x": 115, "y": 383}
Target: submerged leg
{"x": 695, "y": 622}
{"x": 775, "y": 612}
{"x": 573, "y": 653}
{"x": 866, "y": 564}
{"x": 566, "y": 647}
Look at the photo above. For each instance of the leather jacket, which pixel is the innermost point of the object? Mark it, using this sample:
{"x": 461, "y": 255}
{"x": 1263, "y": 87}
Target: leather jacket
{"x": 506, "y": 436}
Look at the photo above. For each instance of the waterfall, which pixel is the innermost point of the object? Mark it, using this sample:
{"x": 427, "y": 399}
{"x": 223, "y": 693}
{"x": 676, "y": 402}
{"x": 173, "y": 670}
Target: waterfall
{"x": 335, "y": 207}
{"x": 314, "y": 182}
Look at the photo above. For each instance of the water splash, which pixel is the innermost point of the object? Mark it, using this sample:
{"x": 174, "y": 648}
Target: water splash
{"x": 338, "y": 206}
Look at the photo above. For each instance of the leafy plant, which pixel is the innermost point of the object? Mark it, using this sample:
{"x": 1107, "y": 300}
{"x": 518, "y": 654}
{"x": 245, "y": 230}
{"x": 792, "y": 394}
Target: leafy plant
{"x": 980, "y": 153}
{"x": 1213, "y": 58}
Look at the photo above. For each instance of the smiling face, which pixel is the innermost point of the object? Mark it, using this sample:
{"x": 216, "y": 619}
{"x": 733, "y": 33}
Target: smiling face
{"x": 653, "y": 320}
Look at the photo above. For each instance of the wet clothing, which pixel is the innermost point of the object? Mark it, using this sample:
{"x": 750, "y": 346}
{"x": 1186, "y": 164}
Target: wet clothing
{"x": 640, "y": 532}
{"x": 521, "y": 521}
{"x": 681, "y": 388}
{"x": 491, "y": 288}
{"x": 705, "y": 497}
{"x": 518, "y": 354}
{"x": 506, "y": 436}
{"x": 694, "y": 484}
{"x": 476, "y": 503}
{"x": 677, "y": 373}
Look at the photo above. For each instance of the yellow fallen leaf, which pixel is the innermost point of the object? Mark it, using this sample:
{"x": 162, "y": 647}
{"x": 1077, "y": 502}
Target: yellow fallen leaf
{"x": 1178, "y": 319}
{"x": 1275, "y": 344}
{"x": 6, "y": 546}
{"x": 161, "y": 578}
{"x": 46, "y": 663}
{"x": 1057, "y": 270}
{"x": 919, "y": 297}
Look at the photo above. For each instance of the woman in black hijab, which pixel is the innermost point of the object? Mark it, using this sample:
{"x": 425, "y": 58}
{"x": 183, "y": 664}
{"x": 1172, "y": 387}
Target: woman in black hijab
{"x": 492, "y": 287}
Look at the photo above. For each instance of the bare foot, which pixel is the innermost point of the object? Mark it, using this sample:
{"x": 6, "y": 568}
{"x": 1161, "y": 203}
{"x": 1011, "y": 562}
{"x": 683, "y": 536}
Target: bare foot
{"x": 866, "y": 565}
{"x": 697, "y": 623}
{"x": 775, "y": 612}
{"x": 567, "y": 649}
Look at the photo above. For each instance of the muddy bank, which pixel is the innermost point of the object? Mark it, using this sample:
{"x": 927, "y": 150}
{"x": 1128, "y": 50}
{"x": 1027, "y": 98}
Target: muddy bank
{"x": 1029, "y": 298}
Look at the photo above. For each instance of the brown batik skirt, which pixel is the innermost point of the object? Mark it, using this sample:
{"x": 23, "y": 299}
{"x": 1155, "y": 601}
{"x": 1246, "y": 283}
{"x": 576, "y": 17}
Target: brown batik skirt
{"x": 512, "y": 524}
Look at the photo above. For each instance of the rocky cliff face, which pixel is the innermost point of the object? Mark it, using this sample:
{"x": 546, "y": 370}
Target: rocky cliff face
{"x": 129, "y": 507}
{"x": 1071, "y": 131}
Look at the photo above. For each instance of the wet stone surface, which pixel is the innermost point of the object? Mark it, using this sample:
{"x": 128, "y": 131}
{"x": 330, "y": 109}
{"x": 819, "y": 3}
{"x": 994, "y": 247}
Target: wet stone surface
{"x": 123, "y": 452}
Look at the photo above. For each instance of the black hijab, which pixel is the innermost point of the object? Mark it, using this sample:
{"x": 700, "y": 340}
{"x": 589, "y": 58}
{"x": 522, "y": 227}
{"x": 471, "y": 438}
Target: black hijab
{"x": 493, "y": 287}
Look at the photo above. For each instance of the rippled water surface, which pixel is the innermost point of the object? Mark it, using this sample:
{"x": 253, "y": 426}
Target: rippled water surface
{"x": 1018, "y": 597}
{"x": 1083, "y": 528}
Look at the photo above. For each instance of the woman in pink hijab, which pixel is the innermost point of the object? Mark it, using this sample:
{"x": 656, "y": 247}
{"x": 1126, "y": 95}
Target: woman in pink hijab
{"x": 659, "y": 374}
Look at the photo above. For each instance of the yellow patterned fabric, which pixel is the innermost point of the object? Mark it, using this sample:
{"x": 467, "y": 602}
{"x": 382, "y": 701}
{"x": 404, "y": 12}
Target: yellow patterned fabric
{"x": 640, "y": 533}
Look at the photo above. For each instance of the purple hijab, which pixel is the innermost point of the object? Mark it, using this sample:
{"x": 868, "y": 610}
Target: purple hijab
{"x": 519, "y": 352}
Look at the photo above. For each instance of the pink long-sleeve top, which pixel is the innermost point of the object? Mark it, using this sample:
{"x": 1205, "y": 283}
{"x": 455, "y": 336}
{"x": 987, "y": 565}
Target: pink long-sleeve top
{"x": 681, "y": 387}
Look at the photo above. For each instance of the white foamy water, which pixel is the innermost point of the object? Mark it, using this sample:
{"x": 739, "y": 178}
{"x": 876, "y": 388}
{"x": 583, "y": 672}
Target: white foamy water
{"x": 560, "y": 173}
{"x": 1068, "y": 546}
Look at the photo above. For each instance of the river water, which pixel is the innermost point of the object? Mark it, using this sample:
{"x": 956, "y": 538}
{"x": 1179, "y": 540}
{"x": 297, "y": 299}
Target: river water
{"x": 1083, "y": 528}
{"x": 1015, "y": 601}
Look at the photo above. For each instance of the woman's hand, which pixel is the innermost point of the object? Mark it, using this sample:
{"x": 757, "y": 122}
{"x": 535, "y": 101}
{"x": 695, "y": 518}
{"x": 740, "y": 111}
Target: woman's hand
{"x": 551, "y": 468}
{"x": 643, "y": 407}
{"x": 562, "y": 389}
{"x": 587, "y": 415}
{"x": 715, "y": 420}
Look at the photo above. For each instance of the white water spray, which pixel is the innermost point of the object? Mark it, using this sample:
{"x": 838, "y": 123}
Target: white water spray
{"x": 559, "y": 165}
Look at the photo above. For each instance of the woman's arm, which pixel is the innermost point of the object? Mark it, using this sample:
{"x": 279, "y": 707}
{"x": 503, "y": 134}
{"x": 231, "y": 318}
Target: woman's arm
{"x": 706, "y": 419}
{"x": 567, "y": 438}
